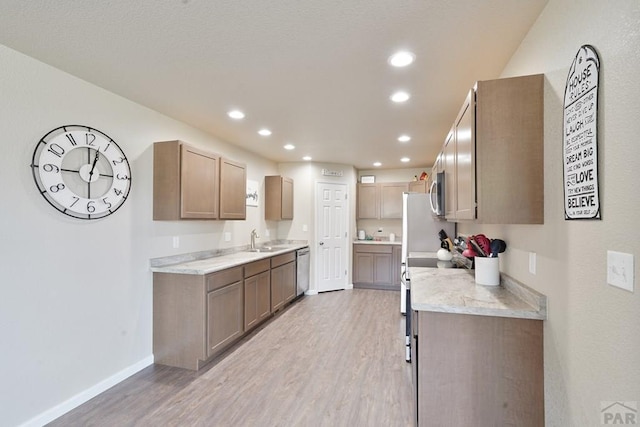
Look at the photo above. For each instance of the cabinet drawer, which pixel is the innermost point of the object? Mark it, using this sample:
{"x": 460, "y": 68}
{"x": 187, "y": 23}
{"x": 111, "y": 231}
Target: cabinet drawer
{"x": 256, "y": 267}
{"x": 375, "y": 249}
{"x": 222, "y": 278}
{"x": 282, "y": 259}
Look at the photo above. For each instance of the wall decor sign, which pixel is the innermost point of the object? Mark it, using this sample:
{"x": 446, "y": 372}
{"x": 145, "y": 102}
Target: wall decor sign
{"x": 580, "y": 137}
{"x": 252, "y": 193}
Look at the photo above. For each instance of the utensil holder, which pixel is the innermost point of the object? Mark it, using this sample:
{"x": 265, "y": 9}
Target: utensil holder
{"x": 487, "y": 271}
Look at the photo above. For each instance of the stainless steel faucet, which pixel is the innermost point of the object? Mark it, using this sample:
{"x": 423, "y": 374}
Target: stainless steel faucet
{"x": 254, "y": 236}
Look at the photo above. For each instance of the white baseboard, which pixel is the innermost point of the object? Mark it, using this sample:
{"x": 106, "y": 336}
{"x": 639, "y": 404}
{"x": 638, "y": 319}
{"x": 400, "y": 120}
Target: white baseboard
{"x": 82, "y": 397}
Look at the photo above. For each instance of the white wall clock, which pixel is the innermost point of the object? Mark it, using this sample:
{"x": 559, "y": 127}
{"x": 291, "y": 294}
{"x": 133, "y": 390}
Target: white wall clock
{"x": 81, "y": 172}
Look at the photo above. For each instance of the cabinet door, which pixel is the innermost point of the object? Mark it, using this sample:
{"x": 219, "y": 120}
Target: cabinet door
{"x": 225, "y": 321}
{"x": 362, "y": 267}
{"x": 418, "y": 187}
{"x": 233, "y": 185}
{"x": 396, "y": 267}
{"x": 449, "y": 165}
{"x": 287, "y": 198}
{"x": 278, "y": 194}
{"x": 289, "y": 281}
{"x": 465, "y": 195}
{"x": 391, "y": 200}
{"x": 367, "y": 201}
{"x": 277, "y": 288}
{"x": 198, "y": 184}
{"x": 382, "y": 269}
{"x": 257, "y": 299}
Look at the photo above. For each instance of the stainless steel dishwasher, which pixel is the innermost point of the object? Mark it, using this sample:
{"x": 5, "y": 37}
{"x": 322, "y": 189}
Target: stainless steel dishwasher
{"x": 302, "y": 274}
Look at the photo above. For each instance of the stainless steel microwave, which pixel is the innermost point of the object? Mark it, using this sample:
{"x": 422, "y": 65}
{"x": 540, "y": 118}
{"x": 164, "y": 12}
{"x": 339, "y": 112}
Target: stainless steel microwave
{"x": 436, "y": 195}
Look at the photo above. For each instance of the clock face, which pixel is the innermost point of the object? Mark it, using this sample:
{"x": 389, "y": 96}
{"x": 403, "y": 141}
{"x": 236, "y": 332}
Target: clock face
{"x": 81, "y": 172}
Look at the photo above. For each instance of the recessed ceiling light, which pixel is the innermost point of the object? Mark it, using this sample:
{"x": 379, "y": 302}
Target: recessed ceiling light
{"x": 404, "y": 138}
{"x": 405, "y": 159}
{"x": 236, "y": 114}
{"x": 289, "y": 147}
{"x": 376, "y": 164}
{"x": 400, "y": 96}
{"x": 401, "y": 59}
{"x": 264, "y": 132}
{"x": 307, "y": 158}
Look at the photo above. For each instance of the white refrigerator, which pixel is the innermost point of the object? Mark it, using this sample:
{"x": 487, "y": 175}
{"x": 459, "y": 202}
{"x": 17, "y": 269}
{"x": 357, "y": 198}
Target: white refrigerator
{"x": 420, "y": 230}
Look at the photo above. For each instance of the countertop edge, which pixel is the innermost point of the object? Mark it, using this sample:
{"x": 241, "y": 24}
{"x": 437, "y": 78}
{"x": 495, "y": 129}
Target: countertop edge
{"x": 181, "y": 266}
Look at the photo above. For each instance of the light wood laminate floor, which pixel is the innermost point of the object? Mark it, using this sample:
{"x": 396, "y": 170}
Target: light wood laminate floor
{"x": 335, "y": 359}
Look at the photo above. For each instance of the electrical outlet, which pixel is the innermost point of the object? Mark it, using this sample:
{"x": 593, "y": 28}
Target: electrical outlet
{"x": 532, "y": 262}
{"x": 266, "y": 233}
{"x": 620, "y": 270}
{"x": 176, "y": 242}
{"x": 379, "y": 229}
{"x": 304, "y": 227}
{"x": 227, "y": 236}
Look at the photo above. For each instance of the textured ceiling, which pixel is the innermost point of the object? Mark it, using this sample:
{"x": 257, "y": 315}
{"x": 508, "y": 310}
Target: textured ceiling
{"x": 313, "y": 71}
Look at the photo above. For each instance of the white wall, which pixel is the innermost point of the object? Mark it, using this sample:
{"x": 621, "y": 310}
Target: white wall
{"x": 592, "y": 335}
{"x": 77, "y": 295}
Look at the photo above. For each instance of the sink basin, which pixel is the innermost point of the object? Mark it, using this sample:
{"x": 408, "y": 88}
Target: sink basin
{"x": 263, "y": 249}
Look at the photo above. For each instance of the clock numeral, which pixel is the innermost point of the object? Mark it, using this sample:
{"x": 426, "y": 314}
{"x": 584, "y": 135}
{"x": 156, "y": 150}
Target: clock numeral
{"x": 118, "y": 192}
{"x": 51, "y": 168}
{"x": 104, "y": 200}
{"x": 117, "y": 162}
{"x": 107, "y": 147}
{"x": 123, "y": 177}
{"x": 89, "y": 138}
{"x": 90, "y": 207}
{"x": 71, "y": 139}
{"x": 56, "y": 149}
{"x": 56, "y": 188}
{"x": 74, "y": 202}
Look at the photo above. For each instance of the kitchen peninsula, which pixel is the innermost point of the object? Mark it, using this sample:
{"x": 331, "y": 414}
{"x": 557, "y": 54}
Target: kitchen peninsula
{"x": 477, "y": 351}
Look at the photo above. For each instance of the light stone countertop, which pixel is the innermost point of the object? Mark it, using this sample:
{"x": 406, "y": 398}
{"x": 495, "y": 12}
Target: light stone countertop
{"x": 397, "y": 242}
{"x": 205, "y": 263}
{"x": 455, "y": 291}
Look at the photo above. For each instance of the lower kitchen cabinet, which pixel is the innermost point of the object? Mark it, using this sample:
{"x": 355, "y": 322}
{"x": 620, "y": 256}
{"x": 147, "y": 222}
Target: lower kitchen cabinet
{"x": 257, "y": 293}
{"x": 374, "y": 266}
{"x": 196, "y": 317}
{"x": 224, "y": 309}
{"x": 283, "y": 280}
{"x": 477, "y": 370}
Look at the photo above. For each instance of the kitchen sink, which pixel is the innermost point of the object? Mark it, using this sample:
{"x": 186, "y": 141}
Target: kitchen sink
{"x": 263, "y": 249}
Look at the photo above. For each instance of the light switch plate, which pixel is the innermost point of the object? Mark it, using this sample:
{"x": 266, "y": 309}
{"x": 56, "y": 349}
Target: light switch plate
{"x": 227, "y": 236}
{"x": 620, "y": 270}
{"x": 176, "y": 242}
{"x": 304, "y": 227}
{"x": 266, "y": 233}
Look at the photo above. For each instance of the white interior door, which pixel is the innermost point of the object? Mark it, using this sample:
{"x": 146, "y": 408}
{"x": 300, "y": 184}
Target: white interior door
{"x": 331, "y": 236}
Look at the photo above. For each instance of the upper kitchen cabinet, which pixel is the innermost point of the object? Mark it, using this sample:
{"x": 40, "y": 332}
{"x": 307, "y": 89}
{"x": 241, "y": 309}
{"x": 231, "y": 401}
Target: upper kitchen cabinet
{"x": 233, "y": 181}
{"x": 380, "y": 200}
{"x": 419, "y": 186}
{"x": 189, "y": 183}
{"x": 278, "y": 194}
{"x": 493, "y": 158}
{"x": 185, "y": 182}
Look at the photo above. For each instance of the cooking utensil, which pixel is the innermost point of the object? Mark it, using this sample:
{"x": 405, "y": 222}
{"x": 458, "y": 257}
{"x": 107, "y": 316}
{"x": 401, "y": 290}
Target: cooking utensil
{"x": 476, "y": 247}
{"x": 497, "y": 246}
{"x": 483, "y": 242}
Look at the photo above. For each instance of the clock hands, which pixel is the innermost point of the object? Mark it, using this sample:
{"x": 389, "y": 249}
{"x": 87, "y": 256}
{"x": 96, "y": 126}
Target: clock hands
{"x": 93, "y": 166}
